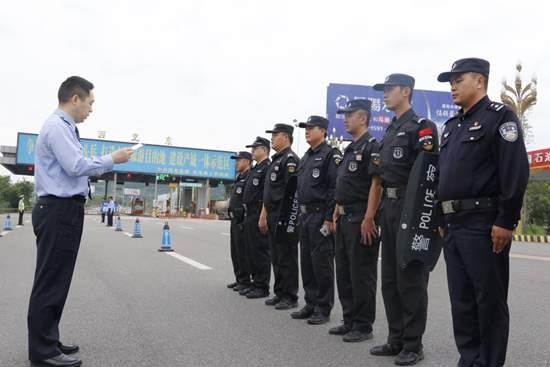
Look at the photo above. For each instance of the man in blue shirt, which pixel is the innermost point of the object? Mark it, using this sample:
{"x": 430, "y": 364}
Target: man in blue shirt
{"x": 62, "y": 186}
{"x": 104, "y": 208}
{"x": 110, "y": 211}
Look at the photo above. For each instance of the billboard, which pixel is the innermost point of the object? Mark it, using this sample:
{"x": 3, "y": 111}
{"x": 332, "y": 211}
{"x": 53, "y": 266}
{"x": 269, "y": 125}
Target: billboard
{"x": 151, "y": 159}
{"x": 434, "y": 105}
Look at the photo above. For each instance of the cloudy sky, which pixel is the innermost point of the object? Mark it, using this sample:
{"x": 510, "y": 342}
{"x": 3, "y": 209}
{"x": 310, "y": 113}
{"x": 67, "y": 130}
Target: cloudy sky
{"x": 214, "y": 74}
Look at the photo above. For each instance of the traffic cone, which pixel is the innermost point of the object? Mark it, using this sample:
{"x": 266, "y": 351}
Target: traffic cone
{"x": 137, "y": 229}
{"x": 166, "y": 243}
{"x": 7, "y": 223}
{"x": 118, "y": 225}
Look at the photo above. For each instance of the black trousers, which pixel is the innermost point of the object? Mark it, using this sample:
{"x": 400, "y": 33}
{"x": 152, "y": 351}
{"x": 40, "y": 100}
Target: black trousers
{"x": 57, "y": 225}
{"x": 102, "y": 217}
{"x": 258, "y": 250}
{"x": 317, "y": 263}
{"x": 239, "y": 253}
{"x": 405, "y": 291}
{"x": 110, "y": 214}
{"x": 20, "y": 222}
{"x": 284, "y": 258}
{"x": 478, "y": 286}
{"x": 356, "y": 274}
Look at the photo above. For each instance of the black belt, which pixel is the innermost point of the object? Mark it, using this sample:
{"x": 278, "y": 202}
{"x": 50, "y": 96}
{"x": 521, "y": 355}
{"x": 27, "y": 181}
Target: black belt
{"x": 79, "y": 198}
{"x": 358, "y": 208}
{"x": 455, "y": 206}
{"x": 250, "y": 209}
{"x": 312, "y": 208}
{"x": 394, "y": 192}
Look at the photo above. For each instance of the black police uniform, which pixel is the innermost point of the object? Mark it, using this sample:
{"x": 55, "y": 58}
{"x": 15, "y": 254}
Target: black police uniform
{"x": 405, "y": 291}
{"x": 316, "y": 185}
{"x": 356, "y": 263}
{"x": 483, "y": 175}
{"x": 257, "y": 243}
{"x": 284, "y": 254}
{"x": 239, "y": 254}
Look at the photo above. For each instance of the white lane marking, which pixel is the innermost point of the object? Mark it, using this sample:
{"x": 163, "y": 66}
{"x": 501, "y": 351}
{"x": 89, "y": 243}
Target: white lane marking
{"x": 128, "y": 234}
{"x": 184, "y": 227}
{"x": 3, "y": 233}
{"x": 189, "y": 261}
{"x": 225, "y": 234}
{"x": 530, "y": 257}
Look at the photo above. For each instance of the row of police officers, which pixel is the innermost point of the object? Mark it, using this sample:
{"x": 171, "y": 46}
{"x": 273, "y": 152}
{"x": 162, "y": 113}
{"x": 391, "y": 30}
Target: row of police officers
{"x": 349, "y": 205}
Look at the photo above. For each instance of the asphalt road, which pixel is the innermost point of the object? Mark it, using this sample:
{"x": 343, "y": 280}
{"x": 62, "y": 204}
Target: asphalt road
{"x": 130, "y": 305}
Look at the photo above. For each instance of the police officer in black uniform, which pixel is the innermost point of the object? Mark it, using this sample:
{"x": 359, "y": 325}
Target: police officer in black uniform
{"x": 357, "y": 197}
{"x": 405, "y": 291}
{"x": 483, "y": 175}
{"x": 284, "y": 251}
{"x": 257, "y": 242}
{"x": 239, "y": 255}
{"x": 316, "y": 185}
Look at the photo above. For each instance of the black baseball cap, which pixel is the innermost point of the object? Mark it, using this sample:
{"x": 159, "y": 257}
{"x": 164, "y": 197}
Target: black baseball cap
{"x": 259, "y": 142}
{"x": 403, "y": 80}
{"x": 315, "y": 121}
{"x": 469, "y": 65}
{"x": 242, "y": 155}
{"x": 356, "y": 104}
{"x": 281, "y": 128}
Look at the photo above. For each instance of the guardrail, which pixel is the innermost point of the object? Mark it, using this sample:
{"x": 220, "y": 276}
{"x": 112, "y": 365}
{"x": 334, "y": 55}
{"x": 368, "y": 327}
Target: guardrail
{"x": 532, "y": 238}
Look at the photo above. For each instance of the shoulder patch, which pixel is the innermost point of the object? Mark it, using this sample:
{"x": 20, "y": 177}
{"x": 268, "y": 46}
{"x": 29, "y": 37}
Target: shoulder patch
{"x": 495, "y": 106}
{"x": 509, "y": 131}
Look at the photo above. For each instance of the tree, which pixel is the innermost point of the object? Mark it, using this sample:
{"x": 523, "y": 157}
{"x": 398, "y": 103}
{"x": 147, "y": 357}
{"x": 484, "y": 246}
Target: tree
{"x": 10, "y": 193}
{"x": 537, "y": 201}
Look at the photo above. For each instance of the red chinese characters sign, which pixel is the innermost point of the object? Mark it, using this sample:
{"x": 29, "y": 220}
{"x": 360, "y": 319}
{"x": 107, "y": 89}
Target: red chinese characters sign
{"x": 539, "y": 159}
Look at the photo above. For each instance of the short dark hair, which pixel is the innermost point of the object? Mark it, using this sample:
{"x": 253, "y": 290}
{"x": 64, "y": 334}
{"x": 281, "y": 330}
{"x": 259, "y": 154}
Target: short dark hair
{"x": 74, "y": 85}
{"x": 290, "y": 137}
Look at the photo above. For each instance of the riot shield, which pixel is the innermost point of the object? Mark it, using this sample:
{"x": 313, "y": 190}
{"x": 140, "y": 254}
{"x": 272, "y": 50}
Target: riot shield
{"x": 418, "y": 237}
{"x": 287, "y": 222}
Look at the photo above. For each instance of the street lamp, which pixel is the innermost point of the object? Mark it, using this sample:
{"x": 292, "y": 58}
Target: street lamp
{"x": 334, "y": 141}
{"x": 520, "y": 98}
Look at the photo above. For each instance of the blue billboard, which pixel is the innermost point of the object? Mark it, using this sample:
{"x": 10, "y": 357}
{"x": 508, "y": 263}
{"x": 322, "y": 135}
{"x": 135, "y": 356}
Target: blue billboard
{"x": 437, "y": 106}
{"x": 151, "y": 159}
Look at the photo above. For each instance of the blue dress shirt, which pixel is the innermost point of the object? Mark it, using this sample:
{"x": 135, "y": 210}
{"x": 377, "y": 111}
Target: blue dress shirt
{"x": 60, "y": 166}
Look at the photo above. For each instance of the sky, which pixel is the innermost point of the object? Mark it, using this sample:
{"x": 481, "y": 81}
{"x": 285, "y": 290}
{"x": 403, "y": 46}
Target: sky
{"x": 215, "y": 74}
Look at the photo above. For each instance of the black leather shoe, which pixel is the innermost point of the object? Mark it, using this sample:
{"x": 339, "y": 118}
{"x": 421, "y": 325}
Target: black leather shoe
{"x": 61, "y": 360}
{"x": 257, "y": 293}
{"x": 318, "y": 319}
{"x": 272, "y": 301}
{"x": 406, "y": 358}
{"x": 286, "y": 304}
{"x": 304, "y": 313}
{"x": 386, "y": 350}
{"x": 339, "y": 330}
{"x": 245, "y": 291}
{"x": 240, "y": 287}
{"x": 356, "y": 336}
{"x": 232, "y": 285}
{"x": 68, "y": 348}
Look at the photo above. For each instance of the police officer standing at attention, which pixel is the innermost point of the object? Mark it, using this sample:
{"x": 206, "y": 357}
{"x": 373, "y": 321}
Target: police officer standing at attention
{"x": 284, "y": 252}
{"x": 357, "y": 197}
{"x": 405, "y": 291}
{"x": 110, "y": 211}
{"x": 316, "y": 184}
{"x": 239, "y": 255}
{"x": 62, "y": 186}
{"x": 483, "y": 175}
{"x": 257, "y": 242}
